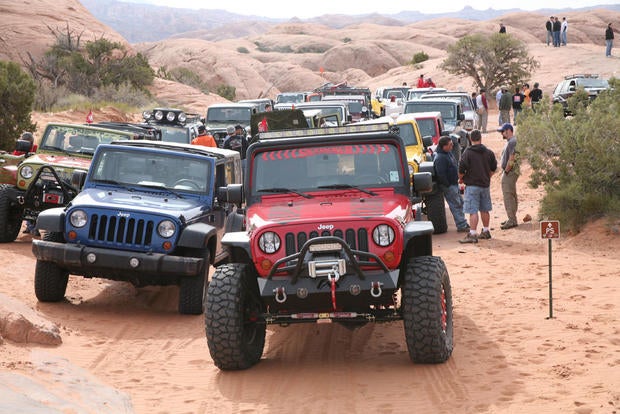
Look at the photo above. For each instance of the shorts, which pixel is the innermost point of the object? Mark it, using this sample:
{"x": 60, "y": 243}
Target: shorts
{"x": 477, "y": 199}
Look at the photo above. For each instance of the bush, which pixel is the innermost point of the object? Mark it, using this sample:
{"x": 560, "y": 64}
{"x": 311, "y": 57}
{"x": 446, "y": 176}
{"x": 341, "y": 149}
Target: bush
{"x": 226, "y": 91}
{"x": 419, "y": 58}
{"x": 17, "y": 92}
{"x": 575, "y": 158}
{"x": 346, "y": 40}
{"x": 188, "y": 77}
{"x": 242, "y": 49}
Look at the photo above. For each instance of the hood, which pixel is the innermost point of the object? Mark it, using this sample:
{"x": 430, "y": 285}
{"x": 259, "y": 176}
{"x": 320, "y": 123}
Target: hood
{"x": 142, "y": 201}
{"x": 331, "y": 207}
{"x": 67, "y": 161}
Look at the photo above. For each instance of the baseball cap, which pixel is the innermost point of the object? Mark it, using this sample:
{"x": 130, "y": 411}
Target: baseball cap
{"x": 238, "y": 126}
{"x": 230, "y": 129}
{"x": 505, "y": 127}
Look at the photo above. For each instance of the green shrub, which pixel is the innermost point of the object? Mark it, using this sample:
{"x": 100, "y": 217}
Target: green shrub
{"x": 17, "y": 95}
{"x": 226, "y": 91}
{"x": 575, "y": 158}
{"x": 419, "y": 58}
{"x": 243, "y": 49}
{"x": 346, "y": 40}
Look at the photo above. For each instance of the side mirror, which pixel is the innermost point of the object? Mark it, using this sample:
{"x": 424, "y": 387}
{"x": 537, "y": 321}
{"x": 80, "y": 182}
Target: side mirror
{"x": 461, "y": 117}
{"x": 78, "y": 177}
{"x": 232, "y": 193}
{"x": 427, "y": 141}
{"x": 422, "y": 183}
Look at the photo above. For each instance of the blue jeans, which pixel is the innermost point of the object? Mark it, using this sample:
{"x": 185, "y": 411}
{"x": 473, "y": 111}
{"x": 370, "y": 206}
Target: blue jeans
{"x": 556, "y": 39}
{"x": 455, "y": 202}
{"x": 609, "y": 44}
{"x": 563, "y": 36}
{"x": 549, "y": 37}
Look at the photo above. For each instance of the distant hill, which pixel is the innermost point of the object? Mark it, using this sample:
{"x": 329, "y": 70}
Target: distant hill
{"x": 148, "y": 23}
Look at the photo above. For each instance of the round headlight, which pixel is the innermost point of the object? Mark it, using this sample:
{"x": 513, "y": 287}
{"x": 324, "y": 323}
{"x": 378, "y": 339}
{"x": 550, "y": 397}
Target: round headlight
{"x": 182, "y": 117}
{"x": 383, "y": 235}
{"x": 170, "y": 116}
{"x": 26, "y": 172}
{"x": 78, "y": 218}
{"x": 159, "y": 115}
{"x": 269, "y": 242}
{"x": 147, "y": 115}
{"x": 166, "y": 229}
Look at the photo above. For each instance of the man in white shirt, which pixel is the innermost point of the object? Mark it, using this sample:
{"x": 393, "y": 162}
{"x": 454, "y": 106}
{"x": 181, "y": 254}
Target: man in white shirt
{"x": 563, "y": 30}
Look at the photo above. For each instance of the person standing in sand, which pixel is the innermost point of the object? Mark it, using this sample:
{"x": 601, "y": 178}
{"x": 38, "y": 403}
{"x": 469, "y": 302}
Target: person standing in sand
{"x": 477, "y": 165}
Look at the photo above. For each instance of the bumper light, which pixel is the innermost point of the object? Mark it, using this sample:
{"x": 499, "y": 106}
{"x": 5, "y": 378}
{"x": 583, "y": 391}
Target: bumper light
{"x": 134, "y": 262}
{"x": 91, "y": 258}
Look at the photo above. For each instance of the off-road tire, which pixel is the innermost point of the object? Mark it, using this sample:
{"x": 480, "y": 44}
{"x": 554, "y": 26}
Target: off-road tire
{"x": 50, "y": 280}
{"x": 234, "y": 336}
{"x": 10, "y": 217}
{"x": 193, "y": 290}
{"x": 427, "y": 310}
{"x": 436, "y": 211}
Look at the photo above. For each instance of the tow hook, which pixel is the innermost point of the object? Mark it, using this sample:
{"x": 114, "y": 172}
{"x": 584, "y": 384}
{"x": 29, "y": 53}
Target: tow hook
{"x": 375, "y": 289}
{"x": 280, "y": 295}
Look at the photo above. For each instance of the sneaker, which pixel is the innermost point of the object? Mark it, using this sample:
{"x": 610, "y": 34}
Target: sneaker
{"x": 485, "y": 235}
{"x": 463, "y": 229}
{"x": 508, "y": 225}
{"x": 470, "y": 238}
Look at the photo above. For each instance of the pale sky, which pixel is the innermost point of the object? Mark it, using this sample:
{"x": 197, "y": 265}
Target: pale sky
{"x": 312, "y": 8}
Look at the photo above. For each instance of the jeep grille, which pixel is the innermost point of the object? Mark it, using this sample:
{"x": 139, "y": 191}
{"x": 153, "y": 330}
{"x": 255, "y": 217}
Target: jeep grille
{"x": 357, "y": 240}
{"x": 121, "y": 230}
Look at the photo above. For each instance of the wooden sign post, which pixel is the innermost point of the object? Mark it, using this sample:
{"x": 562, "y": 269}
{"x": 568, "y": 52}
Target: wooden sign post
{"x": 550, "y": 230}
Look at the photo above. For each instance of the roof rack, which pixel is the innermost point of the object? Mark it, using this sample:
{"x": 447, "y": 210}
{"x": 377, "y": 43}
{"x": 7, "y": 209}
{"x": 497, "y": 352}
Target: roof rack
{"x": 347, "y": 129}
{"x": 582, "y": 75}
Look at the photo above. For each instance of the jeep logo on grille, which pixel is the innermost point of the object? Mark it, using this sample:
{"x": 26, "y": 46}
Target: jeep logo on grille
{"x": 121, "y": 214}
{"x": 329, "y": 227}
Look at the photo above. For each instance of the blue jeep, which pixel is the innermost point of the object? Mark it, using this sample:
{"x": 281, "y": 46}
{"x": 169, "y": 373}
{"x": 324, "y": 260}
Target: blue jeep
{"x": 148, "y": 214}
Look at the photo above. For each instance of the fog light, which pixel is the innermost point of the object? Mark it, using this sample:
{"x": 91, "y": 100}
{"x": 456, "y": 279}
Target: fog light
{"x": 72, "y": 235}
{"x": 134, "y": 262}
{"x": 389, "y": 256}
{"x": 266, "y": 264}
{"x": 302, "y": 293}
{"x": 167, "y": 245}
{"x": 91, "y": 258}
{"x": 355, "y": 290}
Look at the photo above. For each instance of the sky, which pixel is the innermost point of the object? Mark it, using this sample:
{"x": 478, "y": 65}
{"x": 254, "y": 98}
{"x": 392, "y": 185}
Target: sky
{"x": 311, "y": 8}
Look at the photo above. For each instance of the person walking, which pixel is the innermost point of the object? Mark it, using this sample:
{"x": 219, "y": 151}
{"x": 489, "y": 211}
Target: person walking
{"x": 509, "y": 164}
{"x": 609, "y": 40}
{"x": 517, "y": 104}
{"x": 502, "y": 28}
{"x": 526, "y": 94}
{"x": 557, "y": 27}
{"x": 563, "y": 30}
{"x": 505, "y": 105}
{"x": 549, "y": 27}
{"x": 483, "y": 110}
{"x": 498, "y": 97}
{"x": 204, "y": 138}
{"x": 477, "y": 166}
{"x": 446, "y": 169}
{"x": 536, "y": 95}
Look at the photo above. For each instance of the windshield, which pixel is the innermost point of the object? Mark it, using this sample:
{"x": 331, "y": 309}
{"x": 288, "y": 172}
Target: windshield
{"x": 77, "y": 139}
{"x": 398, "y": 92}
{"x": 229, "y": 115}
{"x": 172, "y": 134}
{"x": 427, "y": 127}
{"x": 150, "y": 169}
{"x": 447, "y": 110}
{"x": 592, "y": 83}
{"x": 407, "y": 134}
{"x": 290, "y": 98}
{"x": 306, "y": 169}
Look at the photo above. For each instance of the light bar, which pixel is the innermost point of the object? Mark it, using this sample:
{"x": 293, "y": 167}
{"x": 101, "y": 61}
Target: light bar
{"x": 347, "y": 129}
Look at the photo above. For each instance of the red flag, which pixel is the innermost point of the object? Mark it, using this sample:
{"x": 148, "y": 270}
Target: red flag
{"x": 89, "y": 117}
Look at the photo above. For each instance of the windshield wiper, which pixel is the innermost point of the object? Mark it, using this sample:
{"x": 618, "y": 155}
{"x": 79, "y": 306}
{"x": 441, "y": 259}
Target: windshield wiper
{"x": 346, "y": 186}
{"x": 284, "y": 190}
{"x": 114, "y": 182}
{"x": 162, "y": 188}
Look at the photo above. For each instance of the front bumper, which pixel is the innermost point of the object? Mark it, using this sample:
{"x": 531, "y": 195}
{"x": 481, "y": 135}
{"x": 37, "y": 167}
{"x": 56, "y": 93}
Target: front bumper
{"x": 114, "y": 264}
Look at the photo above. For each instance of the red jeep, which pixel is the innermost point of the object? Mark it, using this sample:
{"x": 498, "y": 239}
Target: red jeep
{"x": 330, "y": 237}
